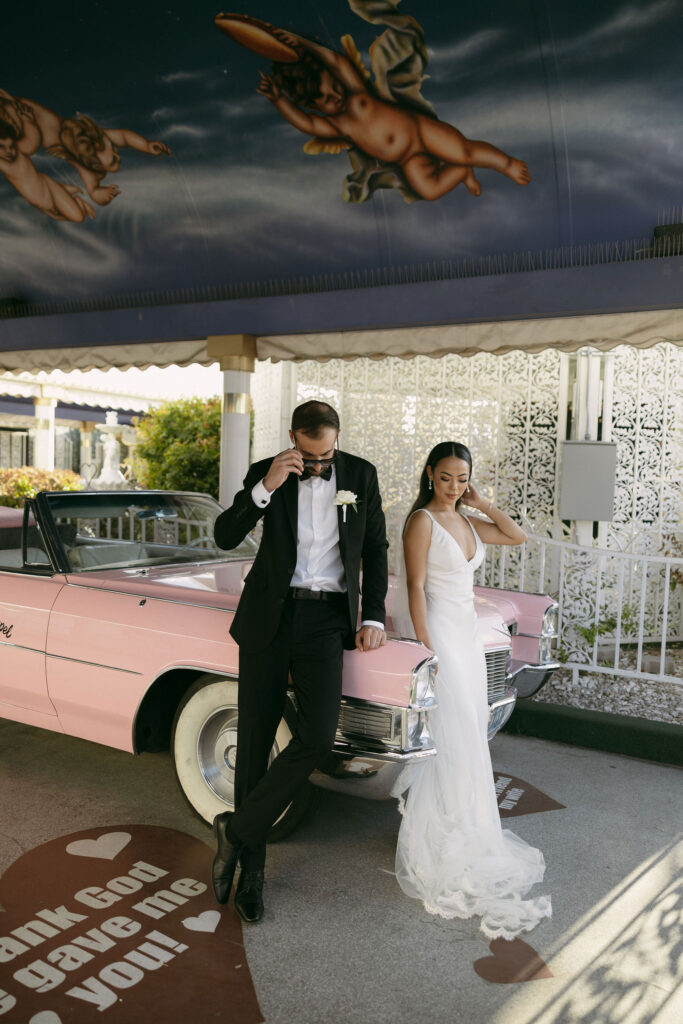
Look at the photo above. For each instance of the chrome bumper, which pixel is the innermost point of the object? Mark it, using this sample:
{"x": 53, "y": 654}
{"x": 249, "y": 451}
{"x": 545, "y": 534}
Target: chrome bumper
{"x": 528, "y": 679}
{"x": 500, "y": 711}
{"x": 372, "y": 774}
{"x": 368, "y": 773}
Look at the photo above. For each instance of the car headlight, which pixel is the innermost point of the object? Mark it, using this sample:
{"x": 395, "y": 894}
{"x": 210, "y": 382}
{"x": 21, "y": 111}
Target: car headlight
{"x": 545, "y": 649}
{"x": 416, "y": 729}
{"x": 422, "y": 683}
{"x": 550, "y": 620}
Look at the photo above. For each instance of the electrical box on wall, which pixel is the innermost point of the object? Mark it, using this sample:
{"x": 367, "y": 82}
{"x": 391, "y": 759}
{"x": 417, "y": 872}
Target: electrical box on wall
{"x": 588, "y": 482}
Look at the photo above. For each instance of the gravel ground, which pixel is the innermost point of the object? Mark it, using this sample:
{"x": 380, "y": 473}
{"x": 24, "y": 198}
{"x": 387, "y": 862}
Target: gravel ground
{"x": 641, "y": 698}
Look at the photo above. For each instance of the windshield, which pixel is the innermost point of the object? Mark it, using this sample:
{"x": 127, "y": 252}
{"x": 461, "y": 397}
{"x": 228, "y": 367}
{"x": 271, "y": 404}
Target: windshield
{"x": 134, "y": 529}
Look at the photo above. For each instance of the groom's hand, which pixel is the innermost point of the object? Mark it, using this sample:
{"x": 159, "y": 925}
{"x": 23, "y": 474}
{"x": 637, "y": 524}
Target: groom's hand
{"x": 289, "y": 461}
{"x": 368, "y": 638}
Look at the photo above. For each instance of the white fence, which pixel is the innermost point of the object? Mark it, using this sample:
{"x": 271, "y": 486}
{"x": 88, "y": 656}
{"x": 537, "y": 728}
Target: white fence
{"x": 620, "y": 614}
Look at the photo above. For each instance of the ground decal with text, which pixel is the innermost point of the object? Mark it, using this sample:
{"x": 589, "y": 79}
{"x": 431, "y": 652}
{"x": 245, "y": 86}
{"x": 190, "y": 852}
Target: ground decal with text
{"x": 118, "y": 924}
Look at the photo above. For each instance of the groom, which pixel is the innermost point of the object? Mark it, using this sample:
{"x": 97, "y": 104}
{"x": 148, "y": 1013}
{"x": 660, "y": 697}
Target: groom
{"x": 297, "y": 613}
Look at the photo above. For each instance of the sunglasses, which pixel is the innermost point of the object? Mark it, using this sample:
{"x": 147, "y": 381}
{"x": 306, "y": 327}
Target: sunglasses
{"x": 310, "y": 463}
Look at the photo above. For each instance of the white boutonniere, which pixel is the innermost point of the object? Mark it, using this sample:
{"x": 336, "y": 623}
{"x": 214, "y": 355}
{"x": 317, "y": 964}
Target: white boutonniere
{"x": 345, "y": 498}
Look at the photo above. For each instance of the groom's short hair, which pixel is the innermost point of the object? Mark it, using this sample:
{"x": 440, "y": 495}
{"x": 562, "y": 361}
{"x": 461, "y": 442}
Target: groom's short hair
{"x": 313, "y": 417}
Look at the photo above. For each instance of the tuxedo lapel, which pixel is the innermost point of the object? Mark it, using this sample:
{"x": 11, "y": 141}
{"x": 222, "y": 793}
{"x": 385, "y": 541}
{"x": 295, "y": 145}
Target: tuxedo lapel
{"x": 340, "y": 473}
{"x": 345, "y": 481}
{"x": 290, "y": 494}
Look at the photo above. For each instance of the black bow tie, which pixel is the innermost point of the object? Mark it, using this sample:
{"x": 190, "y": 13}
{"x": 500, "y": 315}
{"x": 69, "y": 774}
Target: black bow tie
{"x": 325, "y": 474}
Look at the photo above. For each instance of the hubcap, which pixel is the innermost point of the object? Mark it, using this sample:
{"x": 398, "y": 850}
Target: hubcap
{"x": 217, "y": 753}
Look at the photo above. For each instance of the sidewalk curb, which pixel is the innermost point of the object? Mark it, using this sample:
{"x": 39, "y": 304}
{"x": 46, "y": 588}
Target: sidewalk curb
{"x": 599, "y": 730}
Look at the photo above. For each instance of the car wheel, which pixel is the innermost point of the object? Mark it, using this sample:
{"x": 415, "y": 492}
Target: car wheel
{"x": 204, "y": 749}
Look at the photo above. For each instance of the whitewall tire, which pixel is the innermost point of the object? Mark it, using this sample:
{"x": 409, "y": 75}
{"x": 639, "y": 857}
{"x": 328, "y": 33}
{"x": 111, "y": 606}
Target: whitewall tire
{"x": 204, "y": 750}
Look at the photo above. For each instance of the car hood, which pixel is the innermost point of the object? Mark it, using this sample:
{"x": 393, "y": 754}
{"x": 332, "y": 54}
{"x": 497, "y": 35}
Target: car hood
{"x": 216, "y": 584}
{"x": 219, "y": 585}
{"x": 491, "y": 615}
{"x": 499, "y": 601}
{"x": 494, "y": 631}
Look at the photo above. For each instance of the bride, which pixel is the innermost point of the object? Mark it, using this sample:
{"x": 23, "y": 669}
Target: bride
{"x": 452, "y": 852}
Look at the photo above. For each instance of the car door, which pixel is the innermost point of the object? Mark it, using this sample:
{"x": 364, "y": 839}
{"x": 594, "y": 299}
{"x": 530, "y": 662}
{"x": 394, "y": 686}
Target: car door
{"x": 26, "y": 600}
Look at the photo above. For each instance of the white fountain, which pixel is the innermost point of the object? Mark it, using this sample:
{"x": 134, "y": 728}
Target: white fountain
{"x": 110, "y": 477}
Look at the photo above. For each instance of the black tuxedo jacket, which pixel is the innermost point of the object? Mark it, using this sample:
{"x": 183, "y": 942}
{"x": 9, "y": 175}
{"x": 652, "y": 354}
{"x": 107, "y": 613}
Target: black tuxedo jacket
{"x": 362, "y": 539}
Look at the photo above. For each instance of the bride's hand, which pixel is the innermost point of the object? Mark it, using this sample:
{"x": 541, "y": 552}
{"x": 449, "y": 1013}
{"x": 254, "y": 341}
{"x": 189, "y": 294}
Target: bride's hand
{"x": 473, "y": 498}
{"x": 426, "y": 642}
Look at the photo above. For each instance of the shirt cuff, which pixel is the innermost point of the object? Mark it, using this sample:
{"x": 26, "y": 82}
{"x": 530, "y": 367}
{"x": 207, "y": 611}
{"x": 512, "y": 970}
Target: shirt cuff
{"x": 372, "y": 622}
{"x": 260, "y": 495}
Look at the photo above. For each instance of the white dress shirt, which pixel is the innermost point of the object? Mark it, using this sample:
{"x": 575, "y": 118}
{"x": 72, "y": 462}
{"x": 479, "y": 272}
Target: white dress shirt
{"x": 318, "y": 558}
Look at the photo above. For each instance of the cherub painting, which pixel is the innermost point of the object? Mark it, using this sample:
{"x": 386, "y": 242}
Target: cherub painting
{"x": 27, "y": 126}
{"x": 392, "y": 134}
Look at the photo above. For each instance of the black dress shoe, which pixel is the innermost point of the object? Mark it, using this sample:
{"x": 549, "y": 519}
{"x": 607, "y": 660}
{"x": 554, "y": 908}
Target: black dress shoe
{"x": 249, "y": 896}
{"x": 225, "y": 861}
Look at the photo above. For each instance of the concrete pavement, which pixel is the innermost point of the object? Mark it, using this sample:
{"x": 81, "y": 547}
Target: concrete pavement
{"x": 340, "y": 944}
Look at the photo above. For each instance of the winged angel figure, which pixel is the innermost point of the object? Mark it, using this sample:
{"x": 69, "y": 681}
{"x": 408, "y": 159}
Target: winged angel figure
{"x": 26, "y": 127}
{"x": 392, "y": 134}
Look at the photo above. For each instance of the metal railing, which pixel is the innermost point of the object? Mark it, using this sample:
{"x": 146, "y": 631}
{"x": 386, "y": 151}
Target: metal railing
{"x": 173, "y": 531}
{"x": 620, "y": 614}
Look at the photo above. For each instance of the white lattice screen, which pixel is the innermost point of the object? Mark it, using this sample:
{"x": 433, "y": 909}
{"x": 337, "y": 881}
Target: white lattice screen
{"x": 647, "y": 424}
{"x": 511, "y": 412}
{"x": 505, "y": 408}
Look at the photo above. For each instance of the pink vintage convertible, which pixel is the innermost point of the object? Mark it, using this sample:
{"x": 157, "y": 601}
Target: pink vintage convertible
{"x": 114, "y": 617}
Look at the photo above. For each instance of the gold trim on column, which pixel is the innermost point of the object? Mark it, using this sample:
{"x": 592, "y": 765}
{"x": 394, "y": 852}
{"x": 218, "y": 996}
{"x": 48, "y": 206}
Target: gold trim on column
{"x": 233, "y": 351}
{"x": 244, "y": 364}
{"x": 237, "y": 401}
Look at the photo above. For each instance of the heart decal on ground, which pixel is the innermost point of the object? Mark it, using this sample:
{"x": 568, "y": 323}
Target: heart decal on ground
{"x": 511, "y": 962}
{"x": 106, "y": 847}
{"x": 515, "y": 797}
{"x": 206, "y": 922}
{"x": 146, "y": 939}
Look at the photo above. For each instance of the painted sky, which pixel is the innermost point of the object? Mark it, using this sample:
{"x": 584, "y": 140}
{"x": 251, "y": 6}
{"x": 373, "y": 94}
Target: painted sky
{"x": 589, "y": 94}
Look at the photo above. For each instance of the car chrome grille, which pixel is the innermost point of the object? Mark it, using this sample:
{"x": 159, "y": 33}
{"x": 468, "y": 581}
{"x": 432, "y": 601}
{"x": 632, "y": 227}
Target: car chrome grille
{"x": 496, "y": 664}
{"x": 366, "y": 721}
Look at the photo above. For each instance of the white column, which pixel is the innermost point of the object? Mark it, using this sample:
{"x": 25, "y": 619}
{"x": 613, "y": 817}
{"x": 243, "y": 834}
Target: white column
{"x": 588, "y": 403}
{"x": 236, "y": 354}
{"x": 235, "y": 423}
{"x": 44, "y": 433}
{"x": 579, "y": 419}
{"x": 606, "y": 432}
{"x": 608, "y": 396}
{"x": 593, "y": 396}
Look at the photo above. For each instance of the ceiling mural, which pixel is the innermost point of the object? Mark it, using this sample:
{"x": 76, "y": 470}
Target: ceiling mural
{"x": 169, "y": 145}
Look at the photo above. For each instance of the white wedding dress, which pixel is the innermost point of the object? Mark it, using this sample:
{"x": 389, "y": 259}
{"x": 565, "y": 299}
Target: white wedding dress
{"x": 452, "y": 852}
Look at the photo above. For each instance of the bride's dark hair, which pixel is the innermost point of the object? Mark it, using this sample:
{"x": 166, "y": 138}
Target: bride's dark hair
{"x": 443, "y": 450}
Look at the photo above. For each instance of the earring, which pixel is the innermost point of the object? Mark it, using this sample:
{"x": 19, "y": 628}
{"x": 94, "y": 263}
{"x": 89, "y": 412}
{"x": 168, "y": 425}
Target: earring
{"x": 430, "y": 485}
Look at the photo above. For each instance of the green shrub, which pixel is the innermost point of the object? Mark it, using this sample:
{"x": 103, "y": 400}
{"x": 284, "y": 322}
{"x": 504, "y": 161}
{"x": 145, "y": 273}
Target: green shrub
{"x": 608, "y": 625}
{"x": 178, "y": 447}
{"x": 26, "y": 481}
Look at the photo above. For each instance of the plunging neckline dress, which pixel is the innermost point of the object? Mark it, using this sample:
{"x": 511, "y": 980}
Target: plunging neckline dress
{"x": 452, "y": 852}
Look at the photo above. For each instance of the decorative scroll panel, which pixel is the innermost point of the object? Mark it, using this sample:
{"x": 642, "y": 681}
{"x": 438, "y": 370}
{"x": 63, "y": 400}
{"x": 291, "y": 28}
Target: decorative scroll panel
{"x": 505, "y": 409}
{"x": 647, "y": 425}
{"x": 266, "y": 395}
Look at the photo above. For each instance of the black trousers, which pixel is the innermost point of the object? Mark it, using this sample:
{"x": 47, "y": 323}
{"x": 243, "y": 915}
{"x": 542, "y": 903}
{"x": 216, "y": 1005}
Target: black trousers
{"x": 309, "y": 645}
